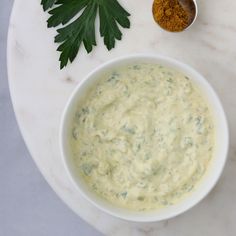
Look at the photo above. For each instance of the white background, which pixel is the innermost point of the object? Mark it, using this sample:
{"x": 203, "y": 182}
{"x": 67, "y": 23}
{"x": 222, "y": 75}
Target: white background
{"x": 28, "y": 206}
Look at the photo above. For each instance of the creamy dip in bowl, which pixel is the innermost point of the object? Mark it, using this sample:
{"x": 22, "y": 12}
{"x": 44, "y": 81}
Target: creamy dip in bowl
{"x": 144, "y": 137}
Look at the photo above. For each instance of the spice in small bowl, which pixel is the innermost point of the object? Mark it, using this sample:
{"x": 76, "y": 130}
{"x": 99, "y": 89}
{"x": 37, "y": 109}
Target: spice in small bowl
{"x": 174, "y": 15}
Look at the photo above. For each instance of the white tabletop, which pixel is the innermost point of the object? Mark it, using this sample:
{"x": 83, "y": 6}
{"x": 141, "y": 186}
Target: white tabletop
{"x": 28, "y": 206}
{"x": 40, "y": 90}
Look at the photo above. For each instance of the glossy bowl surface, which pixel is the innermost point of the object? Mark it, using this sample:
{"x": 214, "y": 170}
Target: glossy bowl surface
{"x": 215, "y": 169}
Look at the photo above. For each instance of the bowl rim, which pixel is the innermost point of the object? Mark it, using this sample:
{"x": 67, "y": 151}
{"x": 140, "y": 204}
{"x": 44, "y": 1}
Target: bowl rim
{"x": 150, "y": 56}
{"x": 189, "y": 26}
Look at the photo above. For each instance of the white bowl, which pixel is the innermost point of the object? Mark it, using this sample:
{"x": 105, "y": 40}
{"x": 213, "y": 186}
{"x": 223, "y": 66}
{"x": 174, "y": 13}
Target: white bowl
{"x": 215, "y": 169}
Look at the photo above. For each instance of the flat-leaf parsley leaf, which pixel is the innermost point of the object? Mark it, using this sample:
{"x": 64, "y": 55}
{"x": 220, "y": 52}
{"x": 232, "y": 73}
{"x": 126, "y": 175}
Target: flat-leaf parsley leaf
{"x": 76, "y": 21}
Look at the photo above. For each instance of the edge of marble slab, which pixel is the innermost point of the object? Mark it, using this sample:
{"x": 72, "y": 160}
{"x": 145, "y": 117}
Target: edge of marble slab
{"x": 43, "y": 173}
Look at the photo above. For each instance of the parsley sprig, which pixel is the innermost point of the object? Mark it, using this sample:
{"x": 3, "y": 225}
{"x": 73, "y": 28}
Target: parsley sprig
{"x": 76, "y": 22}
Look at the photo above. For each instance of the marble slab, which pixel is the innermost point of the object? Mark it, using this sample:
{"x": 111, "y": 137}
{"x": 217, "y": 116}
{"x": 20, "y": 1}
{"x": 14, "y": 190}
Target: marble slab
{"x": 39, "y": 91}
